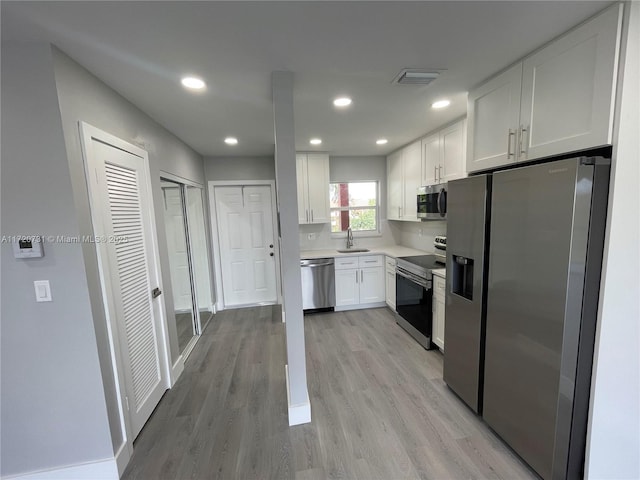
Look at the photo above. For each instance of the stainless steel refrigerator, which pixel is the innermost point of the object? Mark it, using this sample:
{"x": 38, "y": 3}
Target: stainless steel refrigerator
{"x": 524, "y": 255}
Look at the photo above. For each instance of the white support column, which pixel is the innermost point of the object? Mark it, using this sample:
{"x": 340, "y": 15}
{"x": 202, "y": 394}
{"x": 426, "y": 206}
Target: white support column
{"x": 286, "y": 186}
{"x": 613, "y": 438}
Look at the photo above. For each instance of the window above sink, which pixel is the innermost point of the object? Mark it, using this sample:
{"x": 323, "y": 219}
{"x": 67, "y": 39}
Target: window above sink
{"x": 355, "y": 205}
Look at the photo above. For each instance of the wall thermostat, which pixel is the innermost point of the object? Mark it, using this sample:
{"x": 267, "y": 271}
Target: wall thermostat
{"x": 28, "y": 247}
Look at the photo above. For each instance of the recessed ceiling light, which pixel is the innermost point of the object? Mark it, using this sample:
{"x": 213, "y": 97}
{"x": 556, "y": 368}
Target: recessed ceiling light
{"x": 315, "y": 141}
{"x": 342, "y": 102}
{"x": 231, "y": 141}
{"x": 441, "y": 104}
{"x": 193, "y": 83}
{"x": 381, "y": 141}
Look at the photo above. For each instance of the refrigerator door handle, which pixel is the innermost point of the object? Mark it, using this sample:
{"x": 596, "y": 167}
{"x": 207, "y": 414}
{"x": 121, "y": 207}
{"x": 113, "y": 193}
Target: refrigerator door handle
{"x": 511, "y": 134}
{"x": 523, "y": 146}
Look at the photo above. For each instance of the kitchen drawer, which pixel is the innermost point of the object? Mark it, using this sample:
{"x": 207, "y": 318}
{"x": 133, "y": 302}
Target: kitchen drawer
{"x": 342, "y": 263}
{"x": 438, "y": 286}
{"x": 390, "y": 263}
{"x": 367, "y": 261}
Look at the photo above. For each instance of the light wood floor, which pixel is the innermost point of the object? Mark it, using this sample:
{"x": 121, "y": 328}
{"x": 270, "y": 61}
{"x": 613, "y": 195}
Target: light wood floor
{"x": 379, "y": 407}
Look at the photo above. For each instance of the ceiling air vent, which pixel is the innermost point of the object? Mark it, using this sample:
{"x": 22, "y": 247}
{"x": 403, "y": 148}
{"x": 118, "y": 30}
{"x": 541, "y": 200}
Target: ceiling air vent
{"x": 412, "y": 76}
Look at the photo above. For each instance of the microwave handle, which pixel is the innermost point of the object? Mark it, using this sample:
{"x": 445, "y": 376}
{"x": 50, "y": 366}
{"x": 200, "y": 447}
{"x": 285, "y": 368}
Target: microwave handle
{"x": 439, "y": 201}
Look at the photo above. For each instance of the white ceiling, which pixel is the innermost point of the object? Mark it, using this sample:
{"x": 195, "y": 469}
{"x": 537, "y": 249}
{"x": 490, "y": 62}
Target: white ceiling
{"x": 356, "y": 48}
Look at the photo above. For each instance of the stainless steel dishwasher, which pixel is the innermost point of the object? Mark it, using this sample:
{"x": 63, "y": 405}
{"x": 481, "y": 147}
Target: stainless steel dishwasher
{"x": 318, "y": 283}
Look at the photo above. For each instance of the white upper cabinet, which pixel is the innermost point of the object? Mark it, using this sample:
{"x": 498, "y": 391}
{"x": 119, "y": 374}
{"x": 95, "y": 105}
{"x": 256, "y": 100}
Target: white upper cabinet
{"x": 313, "y": 187}
{"x": 412, "y": 167}
{"x": 443, "y": 154}
{"x": 568, "y": 90}
{"x": 403, "y": 179}
{"x": 558, "y": 100}
{"x": 301, "y": 177}
{"x": 453, "y": 146}
{"x": 431, "y": 159}
{"x": 493, "y": 113}
{"x": 395, "y": 196}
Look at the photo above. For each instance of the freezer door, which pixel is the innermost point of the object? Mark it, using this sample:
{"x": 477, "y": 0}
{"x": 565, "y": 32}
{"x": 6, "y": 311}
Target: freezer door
{"x": 539, "y": 233}
{"x": 465, "y": 293}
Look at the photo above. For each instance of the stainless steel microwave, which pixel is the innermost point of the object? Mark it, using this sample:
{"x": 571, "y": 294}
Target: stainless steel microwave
{"x": 432, "y": 202}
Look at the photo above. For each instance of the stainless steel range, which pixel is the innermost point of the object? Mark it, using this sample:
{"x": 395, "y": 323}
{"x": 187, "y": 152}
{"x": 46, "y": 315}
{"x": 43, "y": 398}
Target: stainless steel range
{"x": 414, "y": 291}
{"x": 440, "y": 249}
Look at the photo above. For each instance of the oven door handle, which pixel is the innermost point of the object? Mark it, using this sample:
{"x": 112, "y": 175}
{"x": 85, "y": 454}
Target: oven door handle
{"x": 414, "y": 278}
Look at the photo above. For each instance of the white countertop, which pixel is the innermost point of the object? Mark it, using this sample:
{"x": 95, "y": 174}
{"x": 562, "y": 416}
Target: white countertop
{"x": 390, "y": 250}
{"x": 441, "y": 272}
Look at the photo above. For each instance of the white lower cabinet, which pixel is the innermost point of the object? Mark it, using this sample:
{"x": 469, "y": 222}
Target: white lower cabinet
{"x": 359, "y": 282}
{"x": 437, "y": 333}
{"x": 347, "y": 287}
{"x": 390, "y": 282}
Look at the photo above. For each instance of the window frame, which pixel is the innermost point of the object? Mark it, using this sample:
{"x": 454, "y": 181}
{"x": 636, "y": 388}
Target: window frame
{"x": 358, "y": 233}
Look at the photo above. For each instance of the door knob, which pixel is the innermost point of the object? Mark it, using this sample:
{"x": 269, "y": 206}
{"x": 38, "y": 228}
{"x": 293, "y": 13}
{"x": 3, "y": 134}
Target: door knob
{"x": 271, "y": 246}
{"x": 156, "y": 292}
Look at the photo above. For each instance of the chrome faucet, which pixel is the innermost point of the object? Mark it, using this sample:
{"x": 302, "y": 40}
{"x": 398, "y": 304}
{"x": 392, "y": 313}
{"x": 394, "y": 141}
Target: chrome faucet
{"x": 349, "y": 238}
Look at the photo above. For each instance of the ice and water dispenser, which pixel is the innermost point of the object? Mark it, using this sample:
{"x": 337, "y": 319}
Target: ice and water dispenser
{"x": 462, "y": 277}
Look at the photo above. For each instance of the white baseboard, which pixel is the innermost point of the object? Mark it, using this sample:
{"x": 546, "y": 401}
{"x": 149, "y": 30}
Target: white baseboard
{"x": 360, "y": 306}
{"x": 300, "y": 413}
{"x": 123, "y": 455}
{"x": 101, "y": 470}
{"x": 176, "y": 370}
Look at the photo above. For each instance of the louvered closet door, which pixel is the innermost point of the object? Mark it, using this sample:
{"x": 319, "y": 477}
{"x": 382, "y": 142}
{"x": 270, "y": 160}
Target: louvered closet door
{"x": 127, "y": 210}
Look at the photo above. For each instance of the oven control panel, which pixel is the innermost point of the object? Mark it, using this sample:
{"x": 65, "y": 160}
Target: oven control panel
{"x": 440, "y": 242}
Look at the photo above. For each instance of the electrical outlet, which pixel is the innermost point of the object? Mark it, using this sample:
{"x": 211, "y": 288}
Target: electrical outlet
{"x": 419, "y": 232}
{"x": 311, "y": 236}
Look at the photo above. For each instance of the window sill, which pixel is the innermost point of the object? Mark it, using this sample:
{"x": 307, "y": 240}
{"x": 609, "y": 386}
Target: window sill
{"x": 343, "y": 235}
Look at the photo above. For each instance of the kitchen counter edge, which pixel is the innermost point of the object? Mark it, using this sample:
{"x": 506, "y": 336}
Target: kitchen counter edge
{"x": 394, "y": 251}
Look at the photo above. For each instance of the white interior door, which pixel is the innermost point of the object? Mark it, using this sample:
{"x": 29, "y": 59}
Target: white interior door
{"x": 177, "y": 246}
{"x": 122, "y": 212}
{"x": 247, "y": 246}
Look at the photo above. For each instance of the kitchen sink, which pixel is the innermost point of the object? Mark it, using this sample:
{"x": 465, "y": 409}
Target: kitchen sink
{"x": 354, "y": 250}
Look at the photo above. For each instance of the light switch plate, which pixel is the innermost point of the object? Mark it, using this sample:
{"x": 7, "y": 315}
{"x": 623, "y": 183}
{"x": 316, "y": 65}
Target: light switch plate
{"x": 43, "y": 290}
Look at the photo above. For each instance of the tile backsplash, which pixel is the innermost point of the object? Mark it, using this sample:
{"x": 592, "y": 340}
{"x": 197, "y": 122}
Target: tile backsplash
{"x": 410, "y": 234}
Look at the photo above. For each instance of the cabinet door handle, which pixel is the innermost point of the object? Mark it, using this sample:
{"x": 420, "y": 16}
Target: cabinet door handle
{"x": 307, "y": 212}
{"x": 435, "y": 174}
{"x": 361, "y": 276}
{"x": 357, "y": 276}
{"x": 439, "y": 173}
{"x": 312, "y": 215}
{"x": 511, "y": 134}
{"x": 523, "y": 150}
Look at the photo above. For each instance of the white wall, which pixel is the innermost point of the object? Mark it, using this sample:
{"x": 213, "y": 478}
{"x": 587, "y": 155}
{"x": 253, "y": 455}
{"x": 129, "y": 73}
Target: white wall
{"x": 53, "y": 410}
{"x": 613, "y": 449}
{"x": 239, "y": 168}
{"x": 83, "y": 97}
